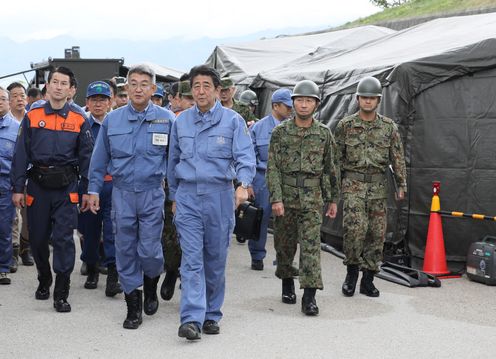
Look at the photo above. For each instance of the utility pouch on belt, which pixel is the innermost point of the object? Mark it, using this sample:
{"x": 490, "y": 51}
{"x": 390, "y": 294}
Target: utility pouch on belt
{"x": 248, "y": 221}
{"x": 53, "y": 177}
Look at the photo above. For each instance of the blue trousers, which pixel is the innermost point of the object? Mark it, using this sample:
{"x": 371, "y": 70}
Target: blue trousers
{"x": 204, "y": 226}
{"x": 257, "y": 248}
{"x": 52, "y": 213}
{"x": 7, "y": 211}
{"x": 137, "y": 220}
{"x": 90, "y": 225}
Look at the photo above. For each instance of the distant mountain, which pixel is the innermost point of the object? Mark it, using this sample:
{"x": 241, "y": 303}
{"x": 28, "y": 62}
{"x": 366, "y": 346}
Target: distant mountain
{"x": 177, "y": 53}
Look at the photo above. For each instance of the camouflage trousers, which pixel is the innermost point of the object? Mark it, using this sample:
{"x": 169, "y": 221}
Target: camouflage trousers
{"x": 303, "y": 228}
{"x": 170, "y": 242}
{"x": 364, "y": 227}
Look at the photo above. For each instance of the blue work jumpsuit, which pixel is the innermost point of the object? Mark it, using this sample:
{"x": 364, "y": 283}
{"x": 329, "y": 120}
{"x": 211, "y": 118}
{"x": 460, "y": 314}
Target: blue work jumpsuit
{"x": 207, "y": 151}
{"x": 132, "y": 148}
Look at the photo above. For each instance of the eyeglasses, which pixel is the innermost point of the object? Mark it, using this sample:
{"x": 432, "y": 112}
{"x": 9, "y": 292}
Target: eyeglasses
{"x": 144, "y": 86}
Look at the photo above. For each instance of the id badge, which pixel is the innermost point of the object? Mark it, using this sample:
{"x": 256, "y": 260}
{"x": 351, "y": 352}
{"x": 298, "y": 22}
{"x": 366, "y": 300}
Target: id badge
{"x": 160, "y": 139}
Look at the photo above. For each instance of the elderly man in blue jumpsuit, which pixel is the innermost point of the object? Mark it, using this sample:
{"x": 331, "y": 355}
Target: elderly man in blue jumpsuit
{"x": 55, "y": 138}
{"x": 210, "y": 146}
{"x": 8, "y": 135}
{"x": 261, "y": 131}
{"x": 98, "y": 101}
{"x": 132, "y": 147}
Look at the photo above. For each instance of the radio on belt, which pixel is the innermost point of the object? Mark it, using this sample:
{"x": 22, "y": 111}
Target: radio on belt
{"x": 481, "y": 261}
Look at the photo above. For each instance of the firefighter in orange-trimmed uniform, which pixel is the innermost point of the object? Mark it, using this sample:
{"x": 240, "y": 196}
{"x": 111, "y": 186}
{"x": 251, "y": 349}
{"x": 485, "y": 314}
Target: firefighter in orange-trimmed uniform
{"x": 55, "y": 138}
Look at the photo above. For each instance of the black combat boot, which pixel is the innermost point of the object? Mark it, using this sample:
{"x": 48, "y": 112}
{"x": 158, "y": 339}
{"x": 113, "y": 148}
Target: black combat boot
{"x": 350, "y": 282}
{"x": 134, "y": 302}
{"x": 288, "y": 291}
{"x": 366, "y": 284}
{"x": 113, "y": 286}
{"x": 308, "y": 303}
{"x": 150, "y": 304}
{"x": 61, "y": 293}
{"x": 168, "y": 285}
{"x": 25, "y": 252}
{"x": 45, "y": 281}
{"x": 93, "y": 275}
{"x": 15, "y": 258}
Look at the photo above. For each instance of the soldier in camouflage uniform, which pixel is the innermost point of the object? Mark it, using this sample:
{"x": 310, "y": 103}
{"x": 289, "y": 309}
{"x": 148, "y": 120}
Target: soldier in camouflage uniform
{"x": 367, "y": 144}
{"x": 227, "y": 100}
{"x": 301, "y": 179}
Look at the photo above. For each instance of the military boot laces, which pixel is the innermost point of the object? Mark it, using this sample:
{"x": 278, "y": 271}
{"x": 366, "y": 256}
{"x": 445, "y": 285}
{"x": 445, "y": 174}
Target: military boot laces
{"x": 367, "y": 286}
{"x": 113, "y": 286}
{"x": 288, "y": 291}
{"x": 350, "y": 281}
{"x": 150, "y": 304}
{"x": 61, "y": 293}
{"x": 93, "y": 275}
{"x": 43, "y": 290}
{"x": 168, "y": 285}
{"x": 134, "y": 307}
{"x": 308, "y": 303}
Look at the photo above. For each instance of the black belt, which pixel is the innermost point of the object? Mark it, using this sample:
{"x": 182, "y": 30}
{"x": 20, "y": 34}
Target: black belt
{"x": 300, "y": 181}
{"x": 364, "y": 177}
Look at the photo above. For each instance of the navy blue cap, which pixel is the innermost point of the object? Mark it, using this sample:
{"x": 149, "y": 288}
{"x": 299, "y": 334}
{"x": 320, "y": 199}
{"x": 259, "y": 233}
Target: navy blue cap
{"x": 98, "y": 88}
{"x": 282, "y": 95}
{"x": 159, "y": 91}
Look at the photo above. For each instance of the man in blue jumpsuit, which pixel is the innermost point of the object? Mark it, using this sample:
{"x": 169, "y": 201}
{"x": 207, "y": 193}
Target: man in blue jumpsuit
{"x": 210, "y": 146}
{"x": 98, "y": 101}
{"x": 55, "y": 137}
{"x": 261, "y": 131}
{"x": 8, "y": 135}
{"x": 132, "y": 147}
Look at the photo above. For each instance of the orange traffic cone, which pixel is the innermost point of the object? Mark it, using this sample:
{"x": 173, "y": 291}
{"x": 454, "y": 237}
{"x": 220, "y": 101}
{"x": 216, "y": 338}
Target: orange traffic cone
{"x": 435, "y": 256}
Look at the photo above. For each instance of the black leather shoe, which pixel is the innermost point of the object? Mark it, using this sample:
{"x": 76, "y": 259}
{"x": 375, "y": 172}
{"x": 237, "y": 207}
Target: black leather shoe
{"x": 150, "y": 303}
{"x": 257, "y": 264}
{"x": 350, "y": 281}
{"x": 168, "y": 285}
{"x": 367, "y": 286}
{"x": 308, "y": 303}
{"x": 134, "y": 302}
{"x": 43, "y": 290}
{"x": 92, "y": 279}
{"x": 62, "y": 306}
{"x": 240, "y": 239}
{"x": 288, "y": 291}
{"x": 211, "y": 327}
{"x": 112, "y": 286}
{"x": 190, "y": 331}
{"x": 25, "y": 252}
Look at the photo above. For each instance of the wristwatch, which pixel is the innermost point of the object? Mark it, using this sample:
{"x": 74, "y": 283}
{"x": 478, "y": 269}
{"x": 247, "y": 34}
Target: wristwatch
{"x": 244, "y": 185}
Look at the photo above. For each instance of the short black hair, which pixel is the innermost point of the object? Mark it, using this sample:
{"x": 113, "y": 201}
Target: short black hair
{"x": 15, "y": 85}
{"x": 184, "y": 77}
{"x": 34, "y": 92}
{"x": 174, "y": 89}
{"x": 205, "y": 71}
{"x": 43, "y": 91}
{"x": 64, "y": 71}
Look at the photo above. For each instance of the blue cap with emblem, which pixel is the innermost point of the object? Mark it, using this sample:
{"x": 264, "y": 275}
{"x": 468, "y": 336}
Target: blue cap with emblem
{"x": 159, "y": 91}
{"x": 282, "y": 95}
{"x": 98, "y": 88}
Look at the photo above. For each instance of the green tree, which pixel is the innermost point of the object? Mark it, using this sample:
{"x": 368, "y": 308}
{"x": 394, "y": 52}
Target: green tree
{"x": 386, "y": 4}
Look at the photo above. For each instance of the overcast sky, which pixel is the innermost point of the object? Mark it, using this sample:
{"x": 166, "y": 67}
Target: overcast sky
{"x": 27, "y": 19}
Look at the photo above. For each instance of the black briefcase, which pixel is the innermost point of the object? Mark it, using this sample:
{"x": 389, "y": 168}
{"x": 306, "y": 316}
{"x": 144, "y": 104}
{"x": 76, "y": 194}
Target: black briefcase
{"x": 248, "y": 221}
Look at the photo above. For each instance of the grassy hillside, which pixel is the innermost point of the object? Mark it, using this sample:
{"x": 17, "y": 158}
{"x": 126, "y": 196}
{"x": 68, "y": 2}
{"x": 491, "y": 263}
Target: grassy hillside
{"x": 417, "y": 8}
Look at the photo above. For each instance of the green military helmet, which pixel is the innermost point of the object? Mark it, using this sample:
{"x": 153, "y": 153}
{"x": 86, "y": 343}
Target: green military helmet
{"x": 226, "y": 82}
{"x": 248, "y": 98}
{"x": 184, "y": 88}
{"x": 306, "y": 88}
{"x": 369, "y": 87}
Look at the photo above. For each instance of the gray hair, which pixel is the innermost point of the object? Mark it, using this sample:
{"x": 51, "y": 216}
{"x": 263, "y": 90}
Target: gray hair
{"x": 6, "y": 91}
{"x": 141, "y": 69}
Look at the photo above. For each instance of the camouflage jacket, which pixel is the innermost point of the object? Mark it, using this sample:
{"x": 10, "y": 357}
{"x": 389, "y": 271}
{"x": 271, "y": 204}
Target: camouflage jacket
{"x": 369, "y": 147}
{"x": 307, "y": 152}
{"x": 244, "y": 111}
